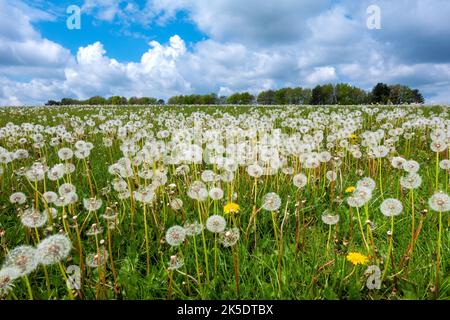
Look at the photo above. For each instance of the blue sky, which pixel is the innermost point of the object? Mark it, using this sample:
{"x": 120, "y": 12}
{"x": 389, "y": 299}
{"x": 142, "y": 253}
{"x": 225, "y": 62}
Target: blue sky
{"x": 161, "y": 48}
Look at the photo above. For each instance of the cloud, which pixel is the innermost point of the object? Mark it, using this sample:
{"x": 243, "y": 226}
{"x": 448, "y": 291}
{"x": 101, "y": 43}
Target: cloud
{"x": 21, "y": 44}
{"x": 322, "y": 75}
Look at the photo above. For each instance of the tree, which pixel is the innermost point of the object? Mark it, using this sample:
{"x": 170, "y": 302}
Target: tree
{"x": 266, "y": 97}
{"x": 381, "y": 93}
{"x": 52, "y": 103}
{"x": 117, "y": 100}
{"x": 417, "y": 97}
{"x": 322, "y": 95}
{"x": 349, "y": 95}
{"x": 96, "y": 100}
{"x": 241, "y": 98}
{"x": 69, "y": 101}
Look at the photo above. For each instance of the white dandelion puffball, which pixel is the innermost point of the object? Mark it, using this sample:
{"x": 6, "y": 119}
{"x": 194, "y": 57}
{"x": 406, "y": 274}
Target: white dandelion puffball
{"x": 7, "y": 277}
{"x": 355, "y": 202}
{"x": 411, "y": 181}
{"x": 94, "y": 260}
{"x": 330, "y": 219}
{"x": 255, "y": 171}
{"x": 216, "y": 223}
{"x": 33, "y": 218}
{"x": 175, "y": 263}
{"x": 366, "y": 182}
{"x": 299, "y": 180}
{"x": 271, "y": 202}
{"x": 23, "y": 258}
{"x": 391, "y": 207}
{"x": 53, "y": 249}
{"x": 193, "y": 229}
{"x": 50, "y": 197}
{"x": 175, "y": 235}
{"x": 65, "y": 154}
{"x": 230, "y": 237}
{"x": 18, "y": 197}
{"x": 176, "y": 204}
{"x": 445, "y": 164}
{"x": 411, "y": 166}
{"x": 439, "y": 202}
{"x": 92, "y": 204}
{"x": 216, "y": 193}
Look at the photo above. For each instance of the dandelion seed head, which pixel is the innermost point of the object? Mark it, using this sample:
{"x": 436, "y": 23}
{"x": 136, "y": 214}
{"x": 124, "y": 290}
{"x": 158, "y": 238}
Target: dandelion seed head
{"x": 23, "y": 258}
{"x": 271, "y": 201}
{"x": 299, "y": 180}
{"x": 175, "y": 235}
{"x": 391, "y": 207}
{"x": 33, "y": 218}
{"x": 439, "y": 202}
{"x": 53, "y": 249}
{"x": 216, "y": 223}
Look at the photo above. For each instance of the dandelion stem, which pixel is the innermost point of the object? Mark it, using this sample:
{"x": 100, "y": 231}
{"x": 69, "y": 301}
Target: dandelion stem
{"x": 390, "y": 249}
{"x": 204, "y": 241}
{"x": 27, "y": 283}
{"x": 437, "y": 171}
{"x": 146, "y": 239}
{"x": 438, "y": 256}
{"x": 362, "y": 230}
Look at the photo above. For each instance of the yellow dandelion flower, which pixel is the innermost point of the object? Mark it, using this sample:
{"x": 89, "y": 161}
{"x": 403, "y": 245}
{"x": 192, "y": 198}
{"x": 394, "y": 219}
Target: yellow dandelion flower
{"x": 357, "y": 258}
{"x": 353, "y": 136}
{"x": 350, "y": 189}
{"x": 231, "y": 207}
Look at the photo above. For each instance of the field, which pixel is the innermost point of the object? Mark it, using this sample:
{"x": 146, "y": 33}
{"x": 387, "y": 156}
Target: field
{"x": 224, "y": 202}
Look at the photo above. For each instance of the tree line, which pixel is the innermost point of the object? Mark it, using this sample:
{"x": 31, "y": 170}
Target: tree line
{"x": 327, "y": 94}
{"x": 114, "y": 100}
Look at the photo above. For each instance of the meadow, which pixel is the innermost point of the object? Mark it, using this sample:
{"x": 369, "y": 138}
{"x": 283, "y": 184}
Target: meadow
{"x": 224, "y": 202}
